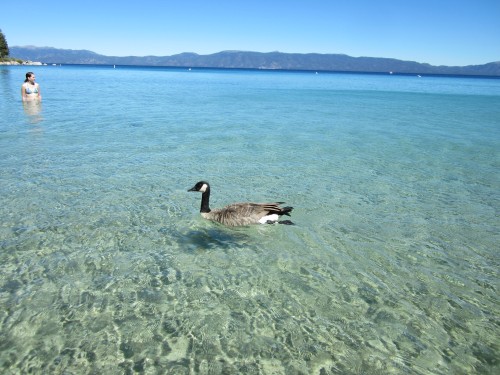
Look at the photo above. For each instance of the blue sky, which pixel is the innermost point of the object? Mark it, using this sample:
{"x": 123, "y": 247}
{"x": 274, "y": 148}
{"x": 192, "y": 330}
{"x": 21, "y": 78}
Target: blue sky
{"x": 439, "y": 32}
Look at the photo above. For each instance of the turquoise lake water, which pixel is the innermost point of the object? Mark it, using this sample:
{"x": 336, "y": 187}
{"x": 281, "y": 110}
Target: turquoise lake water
{"x": 108, "y": 268}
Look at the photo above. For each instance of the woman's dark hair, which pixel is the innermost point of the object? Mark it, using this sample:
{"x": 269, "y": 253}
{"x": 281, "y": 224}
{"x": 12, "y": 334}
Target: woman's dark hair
{"x": 29, "y": 74}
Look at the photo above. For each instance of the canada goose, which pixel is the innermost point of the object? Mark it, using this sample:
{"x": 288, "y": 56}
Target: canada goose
{"x": 238, "y": 214}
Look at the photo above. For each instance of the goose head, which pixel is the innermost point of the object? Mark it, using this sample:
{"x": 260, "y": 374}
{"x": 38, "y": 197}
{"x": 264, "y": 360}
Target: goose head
{"x": 201, "y": 186}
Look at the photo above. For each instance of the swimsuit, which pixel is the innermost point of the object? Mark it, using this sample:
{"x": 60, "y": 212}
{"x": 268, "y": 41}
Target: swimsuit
{"x": 28, "y": 90}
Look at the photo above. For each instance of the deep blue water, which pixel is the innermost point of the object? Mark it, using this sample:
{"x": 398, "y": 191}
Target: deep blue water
{"x": 107, "y": 266}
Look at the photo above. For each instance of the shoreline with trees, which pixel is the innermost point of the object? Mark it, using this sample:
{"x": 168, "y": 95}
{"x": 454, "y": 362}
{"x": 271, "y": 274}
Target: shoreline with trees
{"x": 5, "y": 59}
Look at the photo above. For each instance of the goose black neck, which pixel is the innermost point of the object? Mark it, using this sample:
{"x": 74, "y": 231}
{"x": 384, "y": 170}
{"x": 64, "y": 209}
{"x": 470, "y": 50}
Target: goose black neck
{"x": 205, "y": 198}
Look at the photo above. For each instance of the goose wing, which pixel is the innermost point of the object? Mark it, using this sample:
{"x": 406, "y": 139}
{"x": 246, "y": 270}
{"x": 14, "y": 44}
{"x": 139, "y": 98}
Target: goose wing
{"x": 244, "y": 213}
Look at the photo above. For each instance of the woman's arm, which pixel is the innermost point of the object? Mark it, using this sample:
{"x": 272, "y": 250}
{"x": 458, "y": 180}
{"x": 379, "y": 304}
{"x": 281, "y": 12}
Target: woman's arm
{"x": 39, "y": 92}
{"x": 23, "y": 93}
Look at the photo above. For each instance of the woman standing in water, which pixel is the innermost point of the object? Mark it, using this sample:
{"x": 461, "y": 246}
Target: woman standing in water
{"x": 30, "y": 90}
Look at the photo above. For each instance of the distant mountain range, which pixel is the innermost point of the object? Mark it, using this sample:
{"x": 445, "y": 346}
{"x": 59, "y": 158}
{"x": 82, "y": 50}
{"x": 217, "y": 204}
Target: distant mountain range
{"x": 253, "y": 60}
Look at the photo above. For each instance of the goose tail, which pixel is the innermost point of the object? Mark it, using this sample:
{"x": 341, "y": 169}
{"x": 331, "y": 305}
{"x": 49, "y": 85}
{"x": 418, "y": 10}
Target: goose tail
{"x": 286, "y": 211}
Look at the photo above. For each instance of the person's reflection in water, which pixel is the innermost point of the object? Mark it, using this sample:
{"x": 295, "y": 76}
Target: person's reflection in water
{"x": 33, "y": 111}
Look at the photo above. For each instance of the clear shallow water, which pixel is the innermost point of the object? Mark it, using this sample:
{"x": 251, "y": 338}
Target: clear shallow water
{"x": 107, "y": 267}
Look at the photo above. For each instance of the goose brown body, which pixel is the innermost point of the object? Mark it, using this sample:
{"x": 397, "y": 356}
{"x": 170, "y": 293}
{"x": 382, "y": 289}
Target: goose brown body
{"x": 239, "y": 214}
